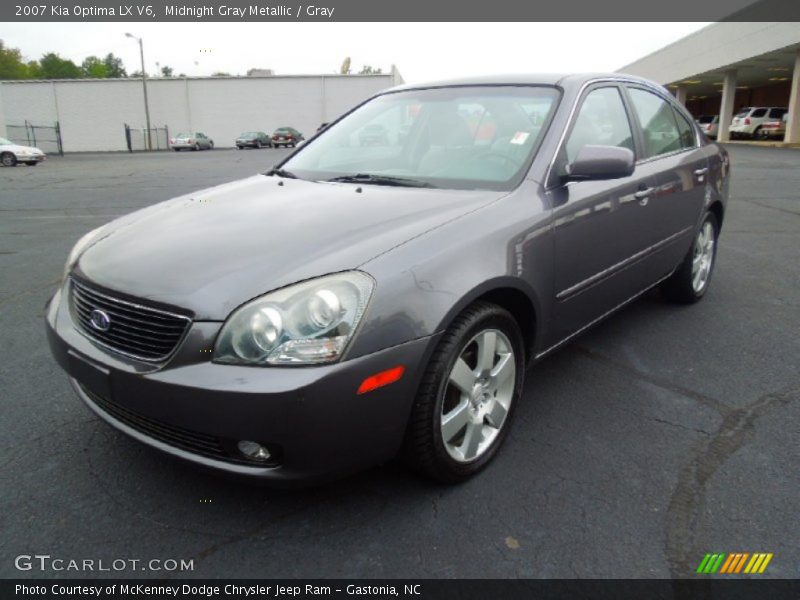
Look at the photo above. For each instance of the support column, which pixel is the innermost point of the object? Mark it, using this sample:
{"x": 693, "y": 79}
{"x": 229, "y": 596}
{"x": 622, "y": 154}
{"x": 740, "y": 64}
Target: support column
{"x": 793, "y": 120}
{"x": 680, "y": 94}
{"x": 726, "y": 106}
{"x": 2, "y": 116}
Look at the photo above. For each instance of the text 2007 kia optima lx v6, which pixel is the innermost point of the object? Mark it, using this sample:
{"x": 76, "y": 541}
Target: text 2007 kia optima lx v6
{"x": 360, "y": 302}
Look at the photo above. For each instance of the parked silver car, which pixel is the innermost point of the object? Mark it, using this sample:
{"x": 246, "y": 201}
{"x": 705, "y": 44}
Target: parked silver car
{"x": 191, "y": 141}
{"x": 709, "y": 124}
{"x": 749, "y": 121}
{"x": 11, "y": 154}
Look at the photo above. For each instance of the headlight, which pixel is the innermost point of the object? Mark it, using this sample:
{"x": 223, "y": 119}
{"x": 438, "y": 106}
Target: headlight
{"x": 306, "y": 323}
{"x": 79, "y": 247}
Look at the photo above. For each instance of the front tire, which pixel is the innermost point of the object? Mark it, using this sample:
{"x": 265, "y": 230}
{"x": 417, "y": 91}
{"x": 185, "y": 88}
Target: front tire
{"x": 465, "y": 403}
{"x": 8, "y": 159}
{"x": 689, "y": 283}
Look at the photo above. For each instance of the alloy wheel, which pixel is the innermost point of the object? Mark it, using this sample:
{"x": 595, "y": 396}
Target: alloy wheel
{"x": 478, "y": 395}
{"x": 703, "y": 258}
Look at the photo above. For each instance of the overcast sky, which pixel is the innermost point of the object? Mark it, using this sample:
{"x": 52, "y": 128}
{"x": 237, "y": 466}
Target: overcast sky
{"x": 421, "y": 51}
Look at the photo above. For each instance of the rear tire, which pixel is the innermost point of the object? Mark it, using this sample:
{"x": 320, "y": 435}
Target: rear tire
{"x": 689, "y": 283}
{"x": 449, "y": 453}
{"x": 8, "y": 159}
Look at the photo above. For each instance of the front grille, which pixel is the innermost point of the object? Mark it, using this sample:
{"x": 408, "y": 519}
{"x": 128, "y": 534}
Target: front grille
{"x": 134, "y": 330}
{"x": 192, "y": 441}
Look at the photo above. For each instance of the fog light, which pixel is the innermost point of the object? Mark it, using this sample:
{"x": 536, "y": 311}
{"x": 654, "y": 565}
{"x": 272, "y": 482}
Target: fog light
{"x": 253, "y": 450}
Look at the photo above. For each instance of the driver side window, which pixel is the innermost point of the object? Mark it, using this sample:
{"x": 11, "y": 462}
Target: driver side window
{"x": 601, "y": 121}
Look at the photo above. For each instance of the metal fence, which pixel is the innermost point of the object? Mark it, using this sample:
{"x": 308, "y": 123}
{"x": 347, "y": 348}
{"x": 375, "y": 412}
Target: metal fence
{"x": 136, "y": 138}
{"x": 44, "y": 137}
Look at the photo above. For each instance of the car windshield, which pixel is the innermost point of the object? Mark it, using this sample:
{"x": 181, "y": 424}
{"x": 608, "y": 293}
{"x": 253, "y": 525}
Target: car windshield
{"x": 5, "y": 142}
{"x": 183, "y": 135}
{"x": 283, "y": 130}
{"x": 744, "y": 112}
{"x": 249, "y": 134}
{"x": 706, "y": 119}
{"x": 480, "y": 137}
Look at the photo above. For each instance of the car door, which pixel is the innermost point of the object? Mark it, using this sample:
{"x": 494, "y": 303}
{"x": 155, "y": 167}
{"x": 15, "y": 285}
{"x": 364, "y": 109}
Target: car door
{"x": 601, "y": 228}
{"x": 672, "y": 154}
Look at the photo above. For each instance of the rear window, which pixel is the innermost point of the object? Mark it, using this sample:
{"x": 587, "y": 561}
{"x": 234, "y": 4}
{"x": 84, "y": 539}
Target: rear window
{"x": 705, "y": 119}
{"x": 744, "y": 112}
{"x": 759, "y": 112}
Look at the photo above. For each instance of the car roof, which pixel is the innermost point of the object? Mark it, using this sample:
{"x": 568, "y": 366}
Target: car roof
{"x": 564, "y": 80}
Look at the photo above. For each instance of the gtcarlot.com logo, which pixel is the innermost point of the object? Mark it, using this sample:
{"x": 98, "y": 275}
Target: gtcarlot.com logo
{"x": 45, "y": 562}
{"x": 735, "y": 562}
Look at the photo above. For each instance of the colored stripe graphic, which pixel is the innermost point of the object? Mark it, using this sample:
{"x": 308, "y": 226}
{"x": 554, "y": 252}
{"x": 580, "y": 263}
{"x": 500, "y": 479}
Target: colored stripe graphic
{"x": 765, "y": 563}
{"x": 727, "y": 563}
{"x": 734, "y": 563}
{"x": 703, "y": 563}
{"x": 754, "y": 562}
{"x": 715, "y": 565}
{"x": 740, "y": 564}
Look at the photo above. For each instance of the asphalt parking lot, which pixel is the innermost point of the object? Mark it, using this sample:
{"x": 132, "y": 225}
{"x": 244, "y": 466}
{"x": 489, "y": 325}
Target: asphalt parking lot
{"x": 664, "y": 433}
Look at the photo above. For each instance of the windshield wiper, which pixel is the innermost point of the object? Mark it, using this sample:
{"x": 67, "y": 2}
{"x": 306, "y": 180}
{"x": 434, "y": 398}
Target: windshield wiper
{"x": 281, "y": 173}
{"x": 381, "y": 180}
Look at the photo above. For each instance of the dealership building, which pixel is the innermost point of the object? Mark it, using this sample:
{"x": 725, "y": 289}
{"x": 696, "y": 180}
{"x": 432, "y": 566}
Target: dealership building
{"x": 92, "y": 113}
{"x": 727, "y": 66}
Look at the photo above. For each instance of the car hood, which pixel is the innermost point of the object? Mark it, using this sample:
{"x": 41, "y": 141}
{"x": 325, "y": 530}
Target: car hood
{"x": 17, "y": 148}
{"x": 213, "y": 250}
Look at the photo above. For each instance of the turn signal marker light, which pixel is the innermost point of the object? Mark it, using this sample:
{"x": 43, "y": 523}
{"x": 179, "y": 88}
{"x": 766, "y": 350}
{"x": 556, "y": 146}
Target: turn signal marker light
{"x": 381, "y": 379}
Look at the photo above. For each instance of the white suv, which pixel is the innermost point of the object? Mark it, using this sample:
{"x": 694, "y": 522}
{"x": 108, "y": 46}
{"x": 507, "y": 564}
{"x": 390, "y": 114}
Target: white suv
{"x": 748, "y": 121}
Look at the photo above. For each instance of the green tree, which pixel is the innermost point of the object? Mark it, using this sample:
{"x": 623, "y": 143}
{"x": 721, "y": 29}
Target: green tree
{"x": 11, "y": 64}
{"x": 220, "y": 74}
{"x": 34, "y": 70}
{"x": 368, "y": 70}
{"x": 114, "y": 66}
{"x": 55, "y": 67}
{"x": 94, "y": 68}
{"x": 166, "y": 71}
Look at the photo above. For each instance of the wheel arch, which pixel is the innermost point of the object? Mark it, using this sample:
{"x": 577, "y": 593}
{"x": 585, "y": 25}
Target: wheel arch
{"x": 509, "y": 293}
{"x": 718, "y": 211}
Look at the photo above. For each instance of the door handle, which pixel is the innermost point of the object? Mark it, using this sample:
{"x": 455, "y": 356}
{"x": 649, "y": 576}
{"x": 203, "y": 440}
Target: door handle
{"x": 701, "y": 172}
{"x": 643, "y": 196}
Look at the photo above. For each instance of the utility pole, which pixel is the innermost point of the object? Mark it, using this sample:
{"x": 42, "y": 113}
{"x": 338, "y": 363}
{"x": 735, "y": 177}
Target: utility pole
{"x": 144, "y": 89}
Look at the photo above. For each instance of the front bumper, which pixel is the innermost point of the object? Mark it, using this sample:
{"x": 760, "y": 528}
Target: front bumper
{"x": 30, "y": 158}
{"x": 311, "y": 417}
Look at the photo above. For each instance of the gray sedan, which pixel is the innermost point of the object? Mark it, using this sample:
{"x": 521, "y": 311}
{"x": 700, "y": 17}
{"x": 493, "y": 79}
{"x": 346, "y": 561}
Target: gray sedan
{"x": 196, "y": 140}
{"x": 359, "y": 302}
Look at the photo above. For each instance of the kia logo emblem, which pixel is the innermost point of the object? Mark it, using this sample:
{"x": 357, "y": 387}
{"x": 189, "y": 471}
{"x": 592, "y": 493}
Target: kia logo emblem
{"x": 100, "y": 320}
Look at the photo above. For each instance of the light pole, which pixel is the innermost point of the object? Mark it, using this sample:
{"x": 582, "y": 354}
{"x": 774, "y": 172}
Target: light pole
{"x": 144, "y": 87}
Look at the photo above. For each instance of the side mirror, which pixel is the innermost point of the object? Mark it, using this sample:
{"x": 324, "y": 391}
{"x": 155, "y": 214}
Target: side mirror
{"x": 601, "y": 162}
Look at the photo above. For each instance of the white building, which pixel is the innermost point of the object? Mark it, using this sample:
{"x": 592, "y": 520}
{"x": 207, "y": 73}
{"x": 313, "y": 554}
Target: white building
{"x": 92, "y": 112}
{"x": 727, "y": 66}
